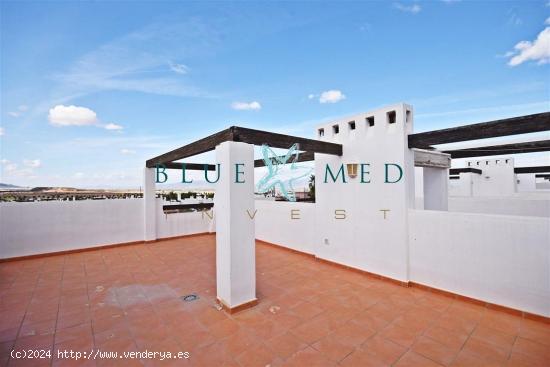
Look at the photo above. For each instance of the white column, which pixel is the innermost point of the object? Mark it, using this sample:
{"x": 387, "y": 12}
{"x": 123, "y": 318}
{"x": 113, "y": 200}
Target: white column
{"x": 235, "y": 234}
{"x": 436, "y": 196}
{"x": 149, "y": 205}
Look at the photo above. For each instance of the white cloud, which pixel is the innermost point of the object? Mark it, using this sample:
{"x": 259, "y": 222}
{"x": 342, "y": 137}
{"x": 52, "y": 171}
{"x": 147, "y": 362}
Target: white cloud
{"x": 537, "y": 50}
{"x": 547, "y": 21}
{"x": 246, "y": 106}
{"x": 112, "y": 126}
{"x": 310, "y": 96}
{"x": 20, "y": 110}
{"x": 12, "y": 169}
{"x": 414, "y": 8}
{"x": 2, "y": 131}
{"x": 331, "y": 96}
{"x": 32, "y": 163}
{"x": 179, "y": 68}
{"x": 62, "y": 115}
{"x": 127, "y": 151}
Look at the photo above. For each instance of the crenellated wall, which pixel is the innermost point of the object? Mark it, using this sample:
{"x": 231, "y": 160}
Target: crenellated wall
{"x": 373, "y": 234}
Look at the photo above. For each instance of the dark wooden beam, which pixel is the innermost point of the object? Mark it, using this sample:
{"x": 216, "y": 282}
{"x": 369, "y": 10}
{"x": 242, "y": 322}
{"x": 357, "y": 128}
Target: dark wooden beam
{"x": 245, "y": 135}
{"x": 274, "y": 140}
{"x": 505, "y": 127}
{"x": 456, "y": 171}
{"x": 516, "y": 148}
{"x": 303, "y": 157}
{"x": 198, "y": 206}
{"x": 535, "y": 169}
{"x": 200, "y": 146}
{"x": 190, "y": 166}
{"x": 545, "y": 176}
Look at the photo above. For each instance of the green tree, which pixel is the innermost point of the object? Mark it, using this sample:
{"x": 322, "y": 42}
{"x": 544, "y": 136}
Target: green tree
{"x": 311, "y": 185}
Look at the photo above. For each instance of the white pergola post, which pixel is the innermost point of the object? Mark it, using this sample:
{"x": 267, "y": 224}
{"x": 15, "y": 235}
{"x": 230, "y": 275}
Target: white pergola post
{"x": 235, "y": 233}
{"x": 149, "y": 205}
{"x": 436, "y": 188}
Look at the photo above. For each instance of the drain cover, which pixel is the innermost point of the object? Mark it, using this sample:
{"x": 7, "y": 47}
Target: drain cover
{"x": 190, "y": 297}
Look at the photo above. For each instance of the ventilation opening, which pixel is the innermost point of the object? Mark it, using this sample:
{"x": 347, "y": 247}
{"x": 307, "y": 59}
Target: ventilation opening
{"x": 408, "y": 116}
{"x": 336, "y": 129}
{"x": 321, "y": 133}
{"x": 351, "y": 125}
{"x": 391, "y": 117}
{"x": 370, "y": 121}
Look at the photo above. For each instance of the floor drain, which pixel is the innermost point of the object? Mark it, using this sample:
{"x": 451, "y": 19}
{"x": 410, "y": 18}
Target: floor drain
{"x": 190, "y": 297}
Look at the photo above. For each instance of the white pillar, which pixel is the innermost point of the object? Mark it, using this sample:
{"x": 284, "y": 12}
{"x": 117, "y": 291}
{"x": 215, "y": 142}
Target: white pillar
{"x": 149, "y": 205}
{"x": 235, "y": 234}
{"x": 436, "y": 196}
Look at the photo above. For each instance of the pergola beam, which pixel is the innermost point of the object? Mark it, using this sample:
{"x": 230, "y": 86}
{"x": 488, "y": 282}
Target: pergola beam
{"x": 515, "y": 148}
{"x": 456, "y": 171}
{"x": 303, "y": 157}
{"x": 244, "y": 135}
{"x": 511, "y": 126}
{"x": 534, "y": 169}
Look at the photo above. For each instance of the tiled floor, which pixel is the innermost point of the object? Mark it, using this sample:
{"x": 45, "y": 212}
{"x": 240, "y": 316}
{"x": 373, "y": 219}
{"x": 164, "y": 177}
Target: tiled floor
{"x": 310, "y": 314}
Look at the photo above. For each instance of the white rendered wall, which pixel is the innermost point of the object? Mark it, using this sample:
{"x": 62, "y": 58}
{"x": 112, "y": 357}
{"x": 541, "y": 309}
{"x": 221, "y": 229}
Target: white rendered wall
{"x": 497, "y": 177}
{"x": 435, "y": 182}
{"x": 178, "y": 224}
{"x": 499, "y": 259}
{"x": 508, "y": 205}
{"x": 51, "y": 226}
{"x": 274, "y": 224}
{"x": 235, "y": 242}
{"x": 365, "y": 239}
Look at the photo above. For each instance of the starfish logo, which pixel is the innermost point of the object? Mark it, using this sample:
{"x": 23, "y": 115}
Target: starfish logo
{"x": 282, "y": 171}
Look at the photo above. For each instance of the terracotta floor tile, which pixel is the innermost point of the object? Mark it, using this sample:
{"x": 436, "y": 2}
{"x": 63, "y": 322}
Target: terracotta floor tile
{"x": 75, "y": 332}
{"x": 353, "y": 335}
{"x": 312, "y": 330}
{"x": 306, "y": 310}
{"x": 453, "y": 339}
{"x": 368, "y": 320}
{"x": 532, "y": 349}
{"x": 466, "y": 359}
{"x": 223, "y": 328}
{"x": 435, "y": 351}
{"x": 128, "y": 299}
{"x": 384, "y": 349}
{"x": 399, "y": 335}
{"x": 360, "y": 357}
{"x": 259, "y": 356}
{"x": 536, "y": 331}
{"x": 309, "y": 357}
{"x": 333, "y": 347}
{"x": 493, "y": 336}
{"x": 412, "y": 359}
{"x": 285, "y": 345}
{"x": 486, "y": 350}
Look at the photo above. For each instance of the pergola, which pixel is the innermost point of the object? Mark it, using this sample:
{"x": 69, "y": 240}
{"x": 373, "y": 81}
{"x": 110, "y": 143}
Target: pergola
{"x": 235, "y": 235}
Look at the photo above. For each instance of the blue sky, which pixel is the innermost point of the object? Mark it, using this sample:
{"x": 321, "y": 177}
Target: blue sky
{"x": 145, "y": 78}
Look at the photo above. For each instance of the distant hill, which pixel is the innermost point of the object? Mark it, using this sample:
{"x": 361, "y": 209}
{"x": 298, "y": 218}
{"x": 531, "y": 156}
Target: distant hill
{"x": 8, "y": 186}
{"x": 56, "y": 189}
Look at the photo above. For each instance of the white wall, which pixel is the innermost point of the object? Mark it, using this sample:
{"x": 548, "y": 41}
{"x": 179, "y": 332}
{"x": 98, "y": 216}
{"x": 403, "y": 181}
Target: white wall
{"x": 500, "y": 259}
{"x": 365, "y": 239}
{"x": 51, "y": 226}
{"x": 509, "y": 205}
{"x": 275, "y": 225}
{"x": 178, "y": 224}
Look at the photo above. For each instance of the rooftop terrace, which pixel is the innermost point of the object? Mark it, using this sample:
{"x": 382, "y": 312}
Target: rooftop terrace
{"x": 310, "y": 313}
